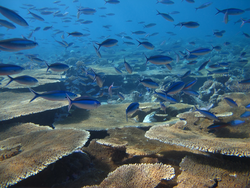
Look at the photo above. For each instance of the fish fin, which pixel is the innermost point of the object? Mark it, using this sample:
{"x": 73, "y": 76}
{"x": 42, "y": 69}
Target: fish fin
{"x": 70, "y": 102}
{"x": 146, "y": 58}
{"x": 35, "y": 93}
{"x": 47, "y": 66}
{"x": 219, "y": 11}
{"x": 11, "y": 79}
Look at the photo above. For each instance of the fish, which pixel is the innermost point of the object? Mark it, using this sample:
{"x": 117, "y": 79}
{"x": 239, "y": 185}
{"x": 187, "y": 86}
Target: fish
{"x": 9, "y": 69}
{"x": 149, "y": 83}
{"x": 118, "y": 70}
{"x": 13, "y": 16}
{"x": 166, "y": 2}
{"x": 158, "y": 59}
{"x": 56, "y": 95}
{"x": 112, "y": 1}
{"x": 128, "y": 67}
{"x": 190, "y": 24}
{"x": 147, "y": 45}
{"x": 37, "y": 28}
{"x": 230, "y": 11}
{"x": 217, "y": 48}
{"x": 107, "y": 43}
{"x": 75, "y": 34}
{"x": 47, "y": 12}
{"x": 98, "y": 79}
{"x": 189, "y": 85}
{"x": 226, "y": 17}
{"x": 83, "y": 103}
{"x": 110, "y": 90}
{"x": 176, "y": 87}
{"x": 121, "y": 96}
{"x": 218, "y": 34}
{"x": 57, "y": 67}
{"x": 246, "y": 114}
{"x": 36, "y": 16}
{"x": 218, "y": 125}
{"x": 18, "y": 44}
{"x": 218, "y": 71}
{"x": 231, "y": 102}
{"x": 26, "y": 80}
{"x": 200, "y": 51}
{"x": 149, "y": 25}
{"x": 87, "y": 11}
{"x": 165, "y": 16}
{"x": 186, "y": 74}
{"x": 97, "y": 52}
{"x": 169, "y": 67}
{"x": 132, "y": 108}
{"x": 244, "y": 22}
{"x": 139, "y": 32}
{"x": 236, "y": 122}
{"x": 204, "y": 5}
{"x": 129, "y": 43}
{"x": 207, "y": 114}
{"x": 246, "y": 35}
{"x": 247, "y": 106}
{"x": 7, "y": 24}
{"x": 190, "y": 92}
{"x": 163, "y": 107}
{"x": 245, "y": 82}
{"x": 203, "y": 65}
{"x": 47, "y": 28}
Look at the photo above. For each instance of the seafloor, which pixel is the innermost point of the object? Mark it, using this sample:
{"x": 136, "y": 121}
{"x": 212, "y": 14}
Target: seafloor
{"x": 41, "y": 145}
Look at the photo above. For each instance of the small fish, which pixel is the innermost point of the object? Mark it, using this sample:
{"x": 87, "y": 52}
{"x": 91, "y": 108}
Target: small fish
{"x": 9, "y": 69}
{"x": 175, "y": 88}
{"x": 87, "y": 11}
{"x": 7, "y": 24}
{"x": 245, "y": 82}
{"x": 108, "y": 43}
{"x": 217, "y": 48}
{"x": 163, "y": 107}
{"x": 218, "y": 71}
{"x": 236, "y": 122}
{"x": 244, "y": 21}
{"x": 75, "y": 34}
{"x": 248, "y": 106}
{"x": 200, "y": 51}
{"x": 186, "y": 74}
{"x": 230, "y": 11}
{"x": 169, "y": 67}
{"x": 165, "y": 16}
{"x": 166, "y": 2}
{"x": 57, "y": 67}
{"x": 121, "y": 96}
{"x": 98, "y": 79}
{"x": 17, "y": 44}
{"x": 149, "y": 25}
{"x": 231, "y": 102}
{"x": 218, "y": 125}
{"x": 97, "y": 52}
{"x": 132, "y": 108}
{"x": 83, "y": 102}
{"x": 203, "y": 65}
{"x": 204, "y": 5}
{"x": 149, "y": 83}
{"x": 13, "y": 16}
{"x": 139, "y": 32}
{"x": 110, "y": 90}
{"x": 118, "y": 70}
{"x": 190, "y": 24}
{"x": 159, "y": 59}
{"x": 189, "y": 85}
{"x": 36, "y": 16}
{"x": 207, "y": 114}
{"x": 128, "y": 67}
{"x": 112, "y": 1}
{"x": 245, "y": 114}
{"x": 165, "y": 97}
{"x": 26, "y": 80}
{"x": 226, "y": 17}
{"x": 147, "y": 45}
{"x": 190, "y": 92}
{"x": 56, "y": 95}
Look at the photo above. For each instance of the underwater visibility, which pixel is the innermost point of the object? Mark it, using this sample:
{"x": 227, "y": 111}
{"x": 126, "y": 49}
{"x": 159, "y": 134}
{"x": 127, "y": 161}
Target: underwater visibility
{"x": 125, "y": 93}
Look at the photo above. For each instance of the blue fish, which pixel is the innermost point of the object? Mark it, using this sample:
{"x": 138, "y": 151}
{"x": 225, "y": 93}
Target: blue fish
{"x": 218, "y": 71}
{"x": 190, "y": 84}
{"x": 13, "y": 16}
{"x": 175, "y": 88}
{"x": 132, "y": 108}
{"x": 165, "y": 97}
{"x": 248, "y": 106}
{"x": 190, "y": 92}
{"x": 107, "y": 43}
{"x": 27, "y": 80}
{"x": 56, "y": 95}
{"x": 147, "y": 45}
{"x": 231, "y": 102}
{"x": 163, "y": 107}
{"x": 203, "y": 65}
{"x": 230, "y": 11}
{"x": 36, "y": 16}
{"x": 121, "y": 96}
{"x": 236, "y": 122}
{"x": 9, "y": 69}
{"x": 159, "y": 59}
{"x": 128, "y": 67}
{"x": 57, "y": 67}
{"x": 186, "y": 74}
{"x": 149, "y": 83}
{"x": 218, "y": 125}
{"x": 200, "y": 51}
{"x": 190, "y": 24}
{"x": 118, "y": 70}
{"x": 245, "y": 114}
{"x": 83, "y": 102}
{"x": 17, "y": 44}
{"x": 207, "y": 114}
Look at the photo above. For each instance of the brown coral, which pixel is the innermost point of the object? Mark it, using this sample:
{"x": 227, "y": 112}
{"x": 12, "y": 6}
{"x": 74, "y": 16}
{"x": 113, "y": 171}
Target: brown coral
{"x": 137, "y": 175}
{"x": 203, "y": 171}
{"x": 200, "y": 141}
{"x": 27, "y": 154}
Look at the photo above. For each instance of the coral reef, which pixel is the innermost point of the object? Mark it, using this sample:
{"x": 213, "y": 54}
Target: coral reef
{"x": 137, "y": 175}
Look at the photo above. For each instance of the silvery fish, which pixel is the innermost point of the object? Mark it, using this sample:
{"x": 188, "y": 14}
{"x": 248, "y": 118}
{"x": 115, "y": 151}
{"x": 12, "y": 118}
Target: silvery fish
{"x": 7, "y": 24}
{"x": 108, "y": 43}
{"x": 147, "y": 45}
{"x": 26, "y": 80}
{"x": 18, "y": 44}
{"x": 9, "y": 69}
{"x": 57, "y": 67}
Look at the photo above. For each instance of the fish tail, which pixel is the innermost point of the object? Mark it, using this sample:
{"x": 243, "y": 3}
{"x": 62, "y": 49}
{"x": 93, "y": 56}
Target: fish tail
{"x": 146, "y": 58}
{"x": 157, "y": 10}
{"x": 47, "y": 66}
{"x": 35, "y": 93}
{"x": 219, "y": 11}
{"x": 139, "y": 42}
{"x": 99, "y": 46}
{"x": 11, "y": 79}
{"x": 243, "y": 22}
{"x": 68, "y": 34}
{"x": 70, "y": 102}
